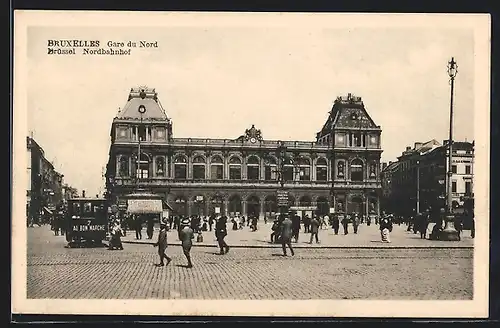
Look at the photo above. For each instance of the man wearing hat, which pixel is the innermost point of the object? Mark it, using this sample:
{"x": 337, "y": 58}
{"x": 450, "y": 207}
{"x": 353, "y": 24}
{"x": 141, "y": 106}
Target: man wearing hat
{"x": 162, "y": 244}
{"x": 186, "y": 235}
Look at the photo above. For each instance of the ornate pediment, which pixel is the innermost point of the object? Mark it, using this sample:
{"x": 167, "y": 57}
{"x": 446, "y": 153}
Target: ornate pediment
{"x": 252, "y": 134}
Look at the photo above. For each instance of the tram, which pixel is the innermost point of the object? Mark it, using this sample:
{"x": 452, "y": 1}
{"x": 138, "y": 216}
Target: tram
{"x": 86, "y": 221}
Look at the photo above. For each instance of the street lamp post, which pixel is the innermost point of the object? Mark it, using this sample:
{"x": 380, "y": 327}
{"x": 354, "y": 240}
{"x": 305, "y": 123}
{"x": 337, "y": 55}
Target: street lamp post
{"x": 449, "y": 232}
{"x": 418, "y": 187}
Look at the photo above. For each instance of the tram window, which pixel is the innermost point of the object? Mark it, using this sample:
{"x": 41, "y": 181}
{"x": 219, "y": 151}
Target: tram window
{"x": 76, "y": 209}
{"x": 87, "y": 208}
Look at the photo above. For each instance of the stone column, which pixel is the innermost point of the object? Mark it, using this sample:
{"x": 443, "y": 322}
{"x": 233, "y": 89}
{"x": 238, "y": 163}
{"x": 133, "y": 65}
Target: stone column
{"x": 190, "y": 207}
{"x": 244, "y": 208}
{"x": 262, "y": 205}
{"x": 207, "y": 207}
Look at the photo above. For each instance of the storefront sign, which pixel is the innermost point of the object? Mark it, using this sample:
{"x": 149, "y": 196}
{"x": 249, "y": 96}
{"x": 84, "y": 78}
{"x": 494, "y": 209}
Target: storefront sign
{"x": 332, "y": 209}
{"x": 282, "y": 198}
{"x": 145, "y": 206}
{"x": 217, "y": 210}
{"x": 93, "y": 227}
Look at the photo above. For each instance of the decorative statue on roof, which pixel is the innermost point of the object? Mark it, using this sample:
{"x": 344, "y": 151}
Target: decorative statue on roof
{"x": 253, "y": 133}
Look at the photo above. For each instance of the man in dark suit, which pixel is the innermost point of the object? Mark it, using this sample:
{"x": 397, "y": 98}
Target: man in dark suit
{"x": 186, "y": 236}
{"x": 162, "y": 245}
{"x": 221, "y": 233}
{"x": 295, "y": 227}
{"x": 314, "y": 229}
{"x": 286, "y": 235}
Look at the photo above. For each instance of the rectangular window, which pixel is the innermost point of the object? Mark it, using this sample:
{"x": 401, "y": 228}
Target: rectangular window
{"x": 467, "y": 169}
{"x": 321, "y": 174}
{"x": 253, "y": 172}
{"x": 453, "y": 169}
{"x": 453, "y": 186}
{"x": 468, "y": 188}
{"x": 305, "y": 174}
{"x": 288, "y": 173}
{"x": 270, "y": 173}
{"x": 180, "y": 171}
{"x": 235, "y": 172}
{"x": 216, "y": 172}
{"x": 198, "y": 172}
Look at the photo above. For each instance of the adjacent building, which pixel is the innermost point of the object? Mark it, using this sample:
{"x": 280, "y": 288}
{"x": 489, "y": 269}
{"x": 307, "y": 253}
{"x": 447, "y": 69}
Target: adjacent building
{"x": 201, "y": 176}
{"x": 46, "y": 187}
{"x": 417, "y": 182}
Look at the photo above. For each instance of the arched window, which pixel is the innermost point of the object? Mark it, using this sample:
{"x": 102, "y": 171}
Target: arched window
{"x": 160, "y": 166}
{"x": 357, "y": 170}
{"x": 321, "y": 169}
{"x": 123, "y": 168}
{"x": 288, "y": 169}
{"x": 216, "y": 168}
{"x": 373, "y": 171}
{"x": 235, "y": 168}
{"x": 304, "y": 165}
{"x": 142, "y": 171}
{"x": 253, "y": 169}
{"x": 180, "y": 167}
{"x": 198, "y": 168}
{"x": 340, "y": 169}
{"x": 270, "y": 169}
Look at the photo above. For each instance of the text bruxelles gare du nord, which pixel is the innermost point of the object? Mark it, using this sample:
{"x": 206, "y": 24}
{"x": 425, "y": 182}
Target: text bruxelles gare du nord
{"x": 93, "y": 47}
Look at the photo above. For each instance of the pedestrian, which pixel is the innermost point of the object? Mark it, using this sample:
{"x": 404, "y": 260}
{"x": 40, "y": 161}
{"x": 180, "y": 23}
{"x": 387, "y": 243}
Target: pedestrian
{"x": 138, "y": 227}
{"x": 314, "y": 228}
{"x": 162, "y": 245}
{"x": 458, "y": 226}
{"x": 423, "y": 225}
{"x": 295, "y": 227}
{"x": 221, "y": 233}
{"x": 355, "y": 223}
{"x": 254, "y": 223}
{"x": 187, "y": 236}
{"x": 150, "y": 227}
{"x": 274, "y": 233}
{"x": 307, "y": 223}
{"x": 335, "y": 223}
{"x": 116, "y": 234}
{"x": 385, "y": 228}
{"x": 345, "y": 223}
{"x": 286, "y": 235}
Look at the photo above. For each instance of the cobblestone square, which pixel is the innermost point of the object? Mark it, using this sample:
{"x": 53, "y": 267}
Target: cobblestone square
{"x": 245, "y": 273}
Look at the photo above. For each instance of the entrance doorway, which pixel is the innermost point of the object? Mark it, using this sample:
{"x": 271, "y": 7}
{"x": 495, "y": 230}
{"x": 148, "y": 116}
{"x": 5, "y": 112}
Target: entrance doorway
{"x": 356, "y": 206}
{"x": 253, "y": 206}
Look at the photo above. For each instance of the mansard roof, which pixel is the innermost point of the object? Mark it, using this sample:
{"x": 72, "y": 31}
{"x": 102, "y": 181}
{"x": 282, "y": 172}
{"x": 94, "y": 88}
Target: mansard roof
{"x": 147, "y": 97}
{"x": 348, "y": 113}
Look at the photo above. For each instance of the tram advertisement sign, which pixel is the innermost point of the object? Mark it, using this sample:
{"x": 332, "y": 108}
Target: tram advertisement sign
{"x": 282, "y": 198}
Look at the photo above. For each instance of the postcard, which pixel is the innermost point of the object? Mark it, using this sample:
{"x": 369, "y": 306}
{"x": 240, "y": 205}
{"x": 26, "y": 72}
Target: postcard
{"x": 251, "y": 164}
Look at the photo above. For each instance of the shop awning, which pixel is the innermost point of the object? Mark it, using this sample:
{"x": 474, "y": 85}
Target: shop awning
{"x": 166, "y": 206}
{"x": 145, "y": 206}
{"x": 303, "y": 208}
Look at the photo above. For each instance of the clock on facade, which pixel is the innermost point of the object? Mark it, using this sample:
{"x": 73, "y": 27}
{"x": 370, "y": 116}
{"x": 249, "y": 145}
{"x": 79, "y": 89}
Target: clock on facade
{"x": 253, "y": 140}
{"x": 354, "y": 116}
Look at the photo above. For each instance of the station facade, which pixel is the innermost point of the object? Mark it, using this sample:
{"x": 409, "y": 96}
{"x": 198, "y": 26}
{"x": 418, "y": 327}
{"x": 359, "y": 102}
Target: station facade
{"x": 339, "y": 171}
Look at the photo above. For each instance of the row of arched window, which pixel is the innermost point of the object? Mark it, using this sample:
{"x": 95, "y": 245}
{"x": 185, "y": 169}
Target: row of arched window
{"x": 299, "y": 169}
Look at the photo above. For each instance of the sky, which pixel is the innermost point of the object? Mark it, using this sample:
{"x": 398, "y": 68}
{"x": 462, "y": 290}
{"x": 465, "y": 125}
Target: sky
{"x": 216, "y": 81}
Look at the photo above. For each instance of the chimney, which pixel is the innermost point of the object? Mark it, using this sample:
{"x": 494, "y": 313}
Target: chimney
{"x": 408, "y": 148}
{"x": 83, "y": 193}
{"x": 418, "y": 145}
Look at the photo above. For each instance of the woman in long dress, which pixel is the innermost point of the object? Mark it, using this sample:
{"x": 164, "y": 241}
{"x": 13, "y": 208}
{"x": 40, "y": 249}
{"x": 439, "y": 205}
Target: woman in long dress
{"x": 386, "y": 228}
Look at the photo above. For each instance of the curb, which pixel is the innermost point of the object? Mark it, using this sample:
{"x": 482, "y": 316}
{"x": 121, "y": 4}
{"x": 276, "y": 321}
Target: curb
{"x": 308, "y": 247}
